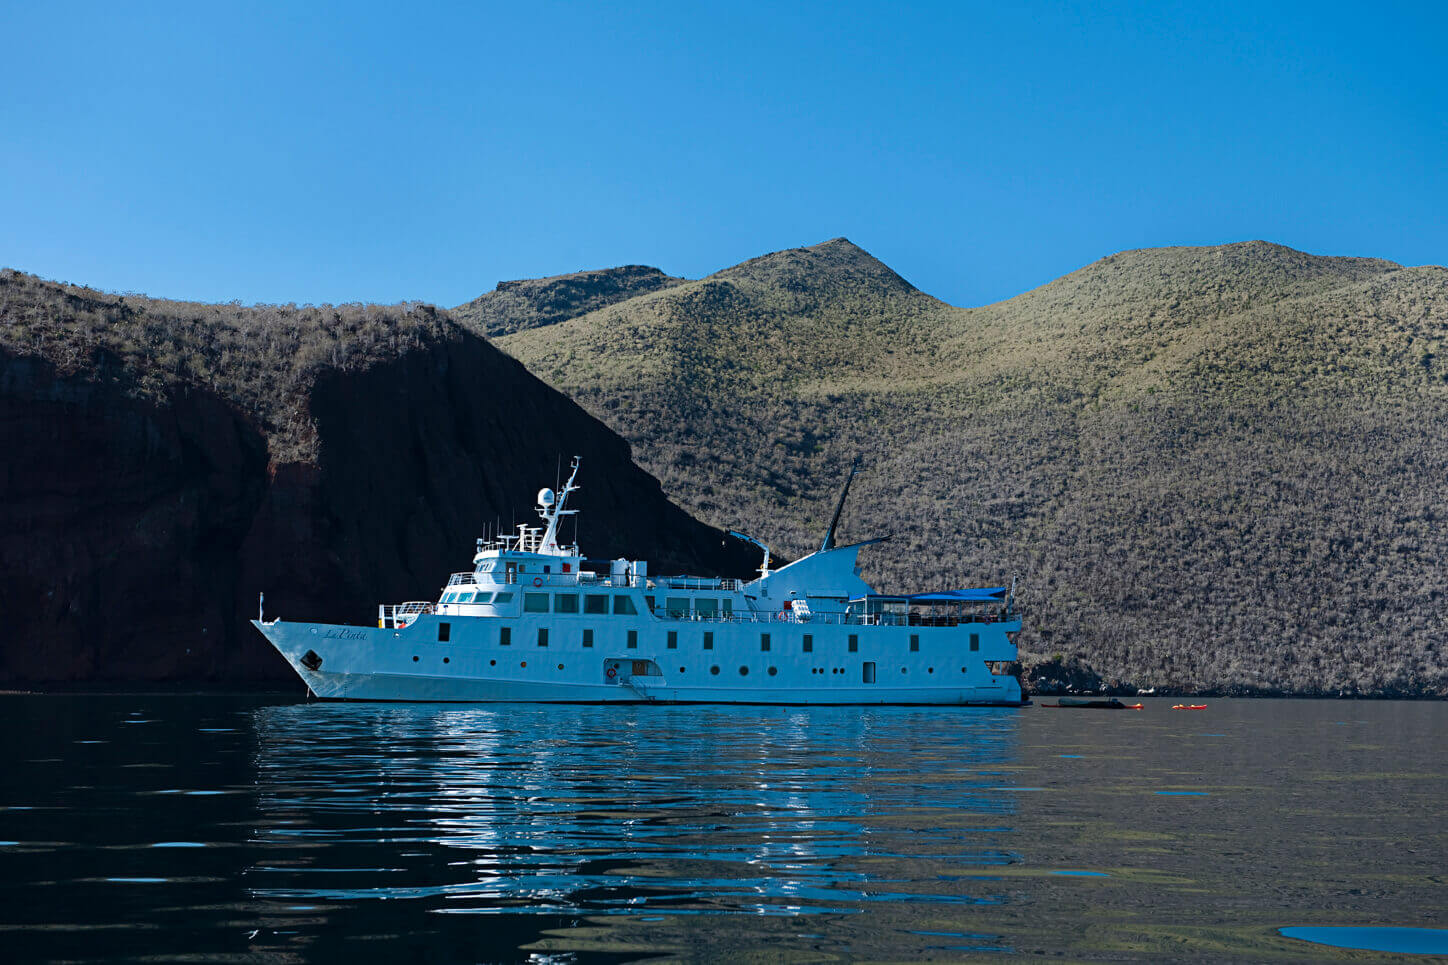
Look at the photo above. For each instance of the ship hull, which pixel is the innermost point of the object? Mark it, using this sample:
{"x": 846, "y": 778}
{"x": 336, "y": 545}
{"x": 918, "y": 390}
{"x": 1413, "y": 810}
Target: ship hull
{"x": 465, "y": 659}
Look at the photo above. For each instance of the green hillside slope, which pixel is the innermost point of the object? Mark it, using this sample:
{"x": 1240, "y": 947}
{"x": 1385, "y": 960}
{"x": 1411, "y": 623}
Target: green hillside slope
{"x": 1212, "y": 468}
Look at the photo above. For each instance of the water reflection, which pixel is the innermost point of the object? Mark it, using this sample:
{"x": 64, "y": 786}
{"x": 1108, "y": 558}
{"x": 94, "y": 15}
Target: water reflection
{"x": 604, "y": 810}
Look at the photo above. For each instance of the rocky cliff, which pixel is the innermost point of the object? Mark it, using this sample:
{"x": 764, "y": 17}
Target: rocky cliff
{"x": 143, "y": 510}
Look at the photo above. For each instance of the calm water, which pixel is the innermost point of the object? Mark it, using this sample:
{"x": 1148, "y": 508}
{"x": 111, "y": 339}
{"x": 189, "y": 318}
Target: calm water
{"x": 227, "y": 829}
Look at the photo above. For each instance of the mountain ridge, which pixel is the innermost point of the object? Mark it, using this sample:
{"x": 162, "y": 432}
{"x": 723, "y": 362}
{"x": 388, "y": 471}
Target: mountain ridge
{"x": 1151, "y": 398}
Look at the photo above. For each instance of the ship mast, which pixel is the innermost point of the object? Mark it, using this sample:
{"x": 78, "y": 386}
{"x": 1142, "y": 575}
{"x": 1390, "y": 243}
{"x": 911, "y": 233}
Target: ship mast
{"x": 551, "y": 509}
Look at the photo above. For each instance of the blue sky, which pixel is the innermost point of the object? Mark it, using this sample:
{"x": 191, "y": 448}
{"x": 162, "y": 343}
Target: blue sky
{"x": 379, "y": 152}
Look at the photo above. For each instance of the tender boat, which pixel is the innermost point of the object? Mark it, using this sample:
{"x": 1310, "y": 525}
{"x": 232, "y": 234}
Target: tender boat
{"x": 1093, "y": 703}
{"x": 535, "y": 620}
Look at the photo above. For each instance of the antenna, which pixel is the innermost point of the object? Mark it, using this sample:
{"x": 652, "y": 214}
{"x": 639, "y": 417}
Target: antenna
{"x": 829, "y": 542}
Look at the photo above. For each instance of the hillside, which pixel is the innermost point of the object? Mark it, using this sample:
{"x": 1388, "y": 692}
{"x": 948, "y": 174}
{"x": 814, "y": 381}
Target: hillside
{"x": 1212, "y": 468}
{"x": 167, "y": 461}
{"x": 516, "y": 306}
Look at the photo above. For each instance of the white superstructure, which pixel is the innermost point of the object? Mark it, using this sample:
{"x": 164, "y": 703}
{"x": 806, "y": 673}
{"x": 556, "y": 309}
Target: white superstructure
{"x": 534, "y": 620}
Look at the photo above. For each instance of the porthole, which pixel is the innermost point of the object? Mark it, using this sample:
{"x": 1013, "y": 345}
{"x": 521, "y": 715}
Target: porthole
{"x": 523, "y": 663}
{"x": 930, "y": 670}
{"x": 743, "y": 671}
{"x": 492, "y": 663}
{"x": 414, "y": 660}
{"x": 446, "y": 659}
{"x": 714, "y": 670}
{"x": 773, "y": 671}
{"x": 681, "y": 670}
{"x": 904, "y": 669}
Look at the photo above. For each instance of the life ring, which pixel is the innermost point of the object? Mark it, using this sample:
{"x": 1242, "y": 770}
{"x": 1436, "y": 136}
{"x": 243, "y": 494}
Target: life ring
{"x": 537, "y": 581}
{"x": 612, "y": 672}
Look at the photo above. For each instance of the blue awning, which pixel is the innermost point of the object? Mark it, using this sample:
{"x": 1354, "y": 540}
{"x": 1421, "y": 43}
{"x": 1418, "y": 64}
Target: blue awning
{"x": 990, "y": 594}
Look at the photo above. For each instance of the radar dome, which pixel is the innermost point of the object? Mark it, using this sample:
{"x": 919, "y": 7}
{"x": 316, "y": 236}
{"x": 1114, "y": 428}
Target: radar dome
{"x": 545, "y": 497}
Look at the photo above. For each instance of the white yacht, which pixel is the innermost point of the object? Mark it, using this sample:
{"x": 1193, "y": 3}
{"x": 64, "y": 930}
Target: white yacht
{"x": 535, "y": 620}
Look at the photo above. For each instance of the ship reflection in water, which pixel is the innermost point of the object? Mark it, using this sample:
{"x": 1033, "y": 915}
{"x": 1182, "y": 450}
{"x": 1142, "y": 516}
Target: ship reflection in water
{"x": 647, "y": 812}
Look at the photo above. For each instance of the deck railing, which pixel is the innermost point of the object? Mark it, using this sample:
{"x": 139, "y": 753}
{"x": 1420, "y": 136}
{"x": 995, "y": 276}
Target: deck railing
{"x": 396, "y": 616}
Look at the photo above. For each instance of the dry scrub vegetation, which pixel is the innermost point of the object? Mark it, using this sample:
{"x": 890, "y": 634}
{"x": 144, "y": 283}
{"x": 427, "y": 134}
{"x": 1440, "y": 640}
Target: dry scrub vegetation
{"x": 262, "y": 357}
{"x": 1213, "y": 468}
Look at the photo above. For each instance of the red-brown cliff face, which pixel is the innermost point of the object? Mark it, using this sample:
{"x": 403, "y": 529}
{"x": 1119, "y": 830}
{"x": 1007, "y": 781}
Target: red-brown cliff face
{"x": 137, "y": 527}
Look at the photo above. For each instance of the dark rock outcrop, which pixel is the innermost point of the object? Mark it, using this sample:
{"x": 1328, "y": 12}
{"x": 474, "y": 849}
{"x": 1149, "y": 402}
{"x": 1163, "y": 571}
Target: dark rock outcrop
{"x": 533, "y": 302}
{"x": 137, "y": 530}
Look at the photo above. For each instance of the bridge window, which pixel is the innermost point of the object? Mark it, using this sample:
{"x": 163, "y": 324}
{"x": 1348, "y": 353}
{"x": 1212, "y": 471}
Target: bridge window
{"x": 535, "y": 602}
{"x": 624, "y": 606}
{"x": 595, "y": 603}
{"x": 706, "y": 608}
{"x": 565, "y": 603}
{"x": 502, "y": 598}
{"x": 727, "y": 606}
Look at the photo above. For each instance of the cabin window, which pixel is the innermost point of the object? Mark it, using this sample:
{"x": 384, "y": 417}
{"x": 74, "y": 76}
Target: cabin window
{"x": 728, "y": 606}
{"x": 649, "y": 602}
{"x": 505, "y": 636}
{"x": 565, "y": 603}
{"x": 633, "y": 639}
{"x": 673, "y": 639}
{"x": 482, "y": 597}
{"x": 706, "y": 608}
{"x": 708, "y": 639}
{"x": 975, "y": 641}
{"x": 624, "y": 606}
{"x": 867, "y": 674}
{"x": 764, "y": 641}
{"x": 914, "y": 642}
{"x": 535, "y": 602}
{"x": 444, "y": 630}
{"x": 547, "y": 568}
{"x": 854, "y": 643}
{"x": 809, "y": 643}
{"x": 595, "y": 603}
{"x": 588, "y": 637}
{"x": 502, "y": 598}
{"x": 676, "y": 606}
{"x": 542, "y": 636}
